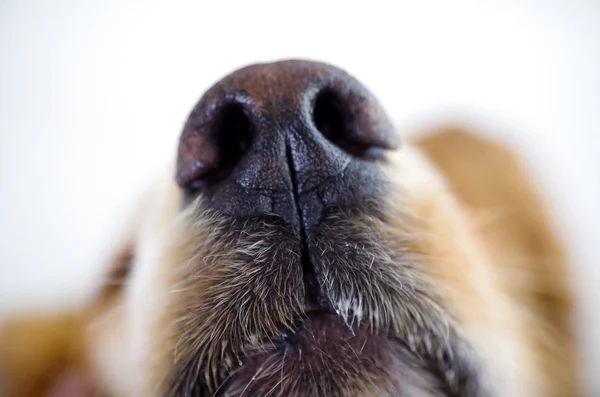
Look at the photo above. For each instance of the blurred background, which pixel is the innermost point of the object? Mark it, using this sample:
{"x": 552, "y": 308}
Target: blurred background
{"x": 93, "y": 96}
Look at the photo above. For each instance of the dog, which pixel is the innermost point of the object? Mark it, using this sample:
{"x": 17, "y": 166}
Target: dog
{"x": 300, "y": 248}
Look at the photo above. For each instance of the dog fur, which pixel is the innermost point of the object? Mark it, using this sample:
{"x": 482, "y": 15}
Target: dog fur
{"x": 457, "y": 260}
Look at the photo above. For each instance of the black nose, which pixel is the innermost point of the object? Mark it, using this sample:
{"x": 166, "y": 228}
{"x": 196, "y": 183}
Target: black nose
{"x": 287, "y": 138}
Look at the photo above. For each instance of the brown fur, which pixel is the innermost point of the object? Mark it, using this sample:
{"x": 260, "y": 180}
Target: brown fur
{"x": 463, "y": 251}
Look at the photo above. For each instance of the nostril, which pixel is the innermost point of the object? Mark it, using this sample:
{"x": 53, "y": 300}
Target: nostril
{"x": 334, "y": 119}
{"x": 329, "y": 116}
{"x": 210, "y": 154}
{"x": 233, "y": 134}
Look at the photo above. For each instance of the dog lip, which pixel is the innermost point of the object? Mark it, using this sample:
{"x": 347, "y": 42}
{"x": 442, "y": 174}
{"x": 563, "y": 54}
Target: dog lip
{"x": 286, "y": 336}
{"x": 319, "y": 320}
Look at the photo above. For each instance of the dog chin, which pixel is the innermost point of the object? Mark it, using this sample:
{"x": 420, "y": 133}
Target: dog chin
{"x": 326, "y": 354}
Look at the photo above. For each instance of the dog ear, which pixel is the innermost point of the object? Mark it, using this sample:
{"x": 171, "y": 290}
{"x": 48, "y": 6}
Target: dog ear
{"x": 511, "y": 219}
{"x": 43, "y": 356}
{"x": 488, "y": 178}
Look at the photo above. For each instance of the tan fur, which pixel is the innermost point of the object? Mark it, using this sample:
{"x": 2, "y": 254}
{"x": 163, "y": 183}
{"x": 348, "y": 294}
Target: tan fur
{"x": 517, "y": 236}
{"x": 475, "y": 226}
{"x": 37, "y": 350}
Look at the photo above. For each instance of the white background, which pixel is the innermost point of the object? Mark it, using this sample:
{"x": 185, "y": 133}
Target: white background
{"x": 93, "y": 95}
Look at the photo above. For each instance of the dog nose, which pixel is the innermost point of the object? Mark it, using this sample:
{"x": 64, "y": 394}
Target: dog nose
{"x": 288, "y": 138}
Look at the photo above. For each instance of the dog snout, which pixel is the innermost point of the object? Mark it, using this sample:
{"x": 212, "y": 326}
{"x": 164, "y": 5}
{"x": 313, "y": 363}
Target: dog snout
{"x": 287, "y": 138}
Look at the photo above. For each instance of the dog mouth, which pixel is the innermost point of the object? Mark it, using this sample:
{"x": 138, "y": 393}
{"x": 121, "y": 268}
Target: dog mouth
{"x": 302, "y": 357}
{"x": 259, "y": 329}
{"x": 326, "y": 356}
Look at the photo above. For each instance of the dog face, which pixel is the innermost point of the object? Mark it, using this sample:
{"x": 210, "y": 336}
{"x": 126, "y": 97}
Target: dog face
{"x": 303, "y": 251}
